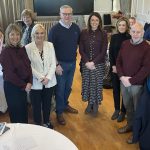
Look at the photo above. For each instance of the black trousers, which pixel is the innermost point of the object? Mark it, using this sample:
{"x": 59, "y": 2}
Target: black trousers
{"x": 41, "y": 104}
{"x": 116, "y": 93}
{"x": 17, "y": 103}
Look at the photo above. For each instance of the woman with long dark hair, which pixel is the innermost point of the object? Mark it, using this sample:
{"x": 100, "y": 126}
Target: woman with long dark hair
{"x": 93, "y": 47}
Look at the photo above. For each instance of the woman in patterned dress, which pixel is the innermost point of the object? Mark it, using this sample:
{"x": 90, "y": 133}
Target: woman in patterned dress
{"x": 93, "y": 47}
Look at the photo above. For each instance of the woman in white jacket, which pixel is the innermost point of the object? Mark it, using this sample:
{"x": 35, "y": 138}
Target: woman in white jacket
{"x": 43, "y": 63}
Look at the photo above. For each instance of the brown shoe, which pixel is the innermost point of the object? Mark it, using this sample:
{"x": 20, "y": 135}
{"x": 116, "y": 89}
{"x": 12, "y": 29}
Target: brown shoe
{"x": 61, "y": 119}
{"x": 125, "y": 129}
{"x": 71, "y": 110}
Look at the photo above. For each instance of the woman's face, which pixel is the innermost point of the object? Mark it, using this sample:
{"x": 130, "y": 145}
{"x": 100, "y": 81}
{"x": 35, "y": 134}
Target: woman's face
{"x": 94, "y": 22}
{"x": 39, "y": 35}
{"x": 122, "y": 27}
{"x": 27, "y": 20}
{"x": 14, "y": 37}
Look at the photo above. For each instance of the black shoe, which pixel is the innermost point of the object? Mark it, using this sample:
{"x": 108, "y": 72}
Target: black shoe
{"x": 48, "y": 125}
{"x": 61, "y": 119}
{"x": 95, "y": 109}
{"x": 121, "y": 117}
{"x": 125, "y": 129}
{"x": 115, "y": 115}
{"x": 89, "y": 108}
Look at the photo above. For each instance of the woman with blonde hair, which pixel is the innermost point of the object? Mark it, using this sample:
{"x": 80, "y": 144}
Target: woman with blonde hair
{"x": 17, "y": 75}
{"x": 117, "y": 39}
{"x": 43, "y": 63}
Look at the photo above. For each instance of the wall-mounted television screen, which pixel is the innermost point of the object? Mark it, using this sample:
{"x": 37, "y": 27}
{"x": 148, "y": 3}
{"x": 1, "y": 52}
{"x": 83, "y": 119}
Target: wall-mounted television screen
{"x": 51, "y": 7}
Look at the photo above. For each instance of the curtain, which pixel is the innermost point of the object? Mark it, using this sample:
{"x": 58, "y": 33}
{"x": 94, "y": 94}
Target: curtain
{"x": 10, "y": 10}
{"x": 133, "y": 8}
{"x": 125, "y": 7}
{"x": 116, "y": 5}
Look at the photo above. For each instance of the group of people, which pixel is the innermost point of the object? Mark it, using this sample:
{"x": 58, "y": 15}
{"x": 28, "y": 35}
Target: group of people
{"x": 33, "y": 65}
{"x": 29, "y": 64}
{"x": 129, "y": 58}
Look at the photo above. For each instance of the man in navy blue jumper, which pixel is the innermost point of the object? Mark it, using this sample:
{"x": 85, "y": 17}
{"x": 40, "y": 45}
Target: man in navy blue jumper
{"x": 65, "y": 37}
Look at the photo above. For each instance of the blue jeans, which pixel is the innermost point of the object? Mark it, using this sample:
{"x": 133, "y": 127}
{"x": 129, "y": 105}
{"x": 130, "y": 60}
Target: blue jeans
{"x": 63, "y": 87}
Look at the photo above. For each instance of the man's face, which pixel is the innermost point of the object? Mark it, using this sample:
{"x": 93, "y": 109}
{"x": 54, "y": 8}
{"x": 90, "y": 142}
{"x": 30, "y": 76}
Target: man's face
{"x": 136, "y": 33}
{"x": 66, "y": 15}
{"x": 131, "y": 22}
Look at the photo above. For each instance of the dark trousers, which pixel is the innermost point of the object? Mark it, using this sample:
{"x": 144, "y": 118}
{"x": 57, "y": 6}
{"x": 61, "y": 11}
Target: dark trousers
{"x": 116, "y": 93}
{"x": 131, "y": 96}
{"x": 41, "y": 104}
{"x": 17, "y": 103}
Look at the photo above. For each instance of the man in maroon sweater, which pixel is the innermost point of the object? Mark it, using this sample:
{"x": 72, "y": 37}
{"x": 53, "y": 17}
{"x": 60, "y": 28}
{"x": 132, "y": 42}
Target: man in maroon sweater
{"x": 133, "y": 66}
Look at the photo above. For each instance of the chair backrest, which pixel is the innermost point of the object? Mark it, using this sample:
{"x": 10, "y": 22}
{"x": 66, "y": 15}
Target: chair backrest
{"x": 107, "y": 19}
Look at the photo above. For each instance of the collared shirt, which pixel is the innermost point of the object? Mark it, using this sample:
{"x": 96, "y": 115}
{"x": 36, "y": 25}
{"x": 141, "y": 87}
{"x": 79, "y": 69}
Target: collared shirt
{"x": 64, "y": 25}
{"x": 136, "y": 43}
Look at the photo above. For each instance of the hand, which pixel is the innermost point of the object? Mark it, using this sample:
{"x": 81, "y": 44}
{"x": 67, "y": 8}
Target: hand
{"x": 90, "y": 65}
{"x": 148, "y": 42}
{"x": 59, "y": 70}
{"x": 125, "y": 81}
{"x": 28, "y": 87}
{"x": 45, "y": 81}
{"x": 114, "y": 69}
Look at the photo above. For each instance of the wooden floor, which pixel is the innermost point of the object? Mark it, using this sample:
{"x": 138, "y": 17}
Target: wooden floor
{"x": 87, "y": 132}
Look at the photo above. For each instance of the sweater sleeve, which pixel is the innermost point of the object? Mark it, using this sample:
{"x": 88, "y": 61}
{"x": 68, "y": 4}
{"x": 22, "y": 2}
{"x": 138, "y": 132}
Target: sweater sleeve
{"x": 51, "y": 35}
{"x": 144, "y": 71}
{"x": 84, "y": 56}
{"x": 102, "y": 54}
{"x": 111, "y": 52}
{"x": 30, "y": 78}
{"x": 9, "y": 70}
{"x": 119, "y": 64}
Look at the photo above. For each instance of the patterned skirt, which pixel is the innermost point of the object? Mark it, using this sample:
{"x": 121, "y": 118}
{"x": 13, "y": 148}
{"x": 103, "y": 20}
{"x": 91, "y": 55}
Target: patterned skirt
{"x": 92, "y": 84}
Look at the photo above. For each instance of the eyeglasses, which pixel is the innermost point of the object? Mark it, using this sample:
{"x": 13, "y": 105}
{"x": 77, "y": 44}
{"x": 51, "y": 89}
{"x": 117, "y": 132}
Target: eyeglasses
{"x": 135, "y": 32}
{"x": 67, "y": 14}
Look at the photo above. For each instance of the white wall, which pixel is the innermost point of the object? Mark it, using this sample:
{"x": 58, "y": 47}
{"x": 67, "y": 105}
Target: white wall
{"x": 101, "y": 6}
{"x": 141, "y": 10}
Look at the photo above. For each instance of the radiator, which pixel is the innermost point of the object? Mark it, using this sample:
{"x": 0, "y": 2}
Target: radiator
{"x": 47, "y": 25}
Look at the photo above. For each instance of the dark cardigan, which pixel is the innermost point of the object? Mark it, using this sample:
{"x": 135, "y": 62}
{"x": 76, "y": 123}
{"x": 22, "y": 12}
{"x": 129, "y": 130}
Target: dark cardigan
{"x": 100, "y": 46}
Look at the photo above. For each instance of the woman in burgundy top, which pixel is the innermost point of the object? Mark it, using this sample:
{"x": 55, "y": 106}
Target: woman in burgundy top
{"x": 17, "y": 75}
{"x": 92, "y": 47}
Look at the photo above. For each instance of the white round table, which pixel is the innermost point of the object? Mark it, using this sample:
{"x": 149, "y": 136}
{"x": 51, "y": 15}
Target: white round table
{"x": 33, "y": 137}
